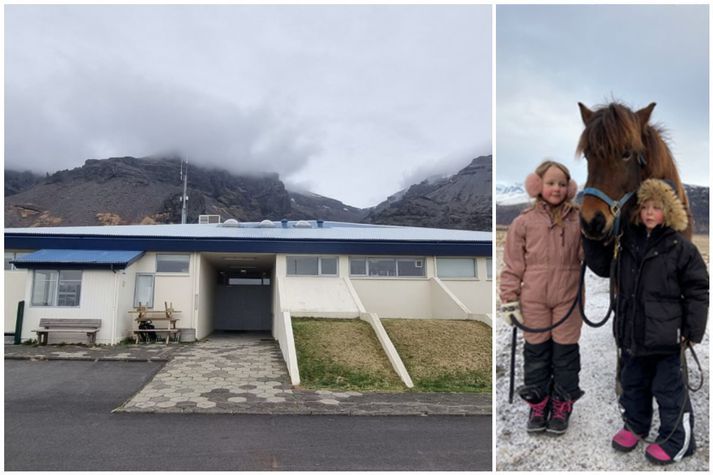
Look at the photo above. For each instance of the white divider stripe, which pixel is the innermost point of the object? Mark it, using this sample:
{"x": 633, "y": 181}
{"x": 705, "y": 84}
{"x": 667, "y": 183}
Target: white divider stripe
{"x": 389, "y": 348}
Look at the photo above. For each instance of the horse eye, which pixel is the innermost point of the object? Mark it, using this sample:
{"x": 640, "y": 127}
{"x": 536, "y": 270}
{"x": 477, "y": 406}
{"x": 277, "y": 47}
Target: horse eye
{"x": 627, "y": 155}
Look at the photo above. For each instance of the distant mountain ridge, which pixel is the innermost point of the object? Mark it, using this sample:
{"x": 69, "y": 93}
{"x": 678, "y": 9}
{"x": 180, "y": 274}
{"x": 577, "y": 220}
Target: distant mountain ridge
{"x": 129, "y": 190}
{"x": 461, "y": 201}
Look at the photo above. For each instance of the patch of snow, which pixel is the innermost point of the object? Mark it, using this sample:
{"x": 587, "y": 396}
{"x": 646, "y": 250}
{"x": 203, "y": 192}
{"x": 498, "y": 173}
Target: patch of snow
{"x": 587, "y": 443}
{"x": 510, "y": 194}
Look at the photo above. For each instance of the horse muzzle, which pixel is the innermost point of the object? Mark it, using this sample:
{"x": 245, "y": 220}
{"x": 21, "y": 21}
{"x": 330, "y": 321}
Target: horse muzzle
{"x": 598, "y": 228}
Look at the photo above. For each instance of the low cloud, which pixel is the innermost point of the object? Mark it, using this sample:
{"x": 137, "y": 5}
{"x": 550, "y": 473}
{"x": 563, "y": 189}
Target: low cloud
{"x": 66, "y": 120}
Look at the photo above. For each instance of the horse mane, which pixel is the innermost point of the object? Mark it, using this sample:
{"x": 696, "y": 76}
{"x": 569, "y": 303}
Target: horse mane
{"x": 613, "y": 126}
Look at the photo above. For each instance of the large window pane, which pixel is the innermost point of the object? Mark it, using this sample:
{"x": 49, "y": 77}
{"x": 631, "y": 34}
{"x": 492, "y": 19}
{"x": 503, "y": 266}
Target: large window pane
{"x": 357, "y": 266}
{"x": 329, "y": 265}
{"x": 411, "y": 268}
{"x": 302, "y": 265}
{"x": 51, "y": 288}
{"x": 44, "y": 287}
{"x": 382, "y": 267}
{"x": 457, "y": 267}
{"x": 172, "y": 262}
{"x": 70, "y": 286}
{"x": 143, "y": 292}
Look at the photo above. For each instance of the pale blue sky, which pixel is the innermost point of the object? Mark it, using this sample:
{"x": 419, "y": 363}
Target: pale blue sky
{"x": 352, "y": 102}
{"x": 549, "y": 57}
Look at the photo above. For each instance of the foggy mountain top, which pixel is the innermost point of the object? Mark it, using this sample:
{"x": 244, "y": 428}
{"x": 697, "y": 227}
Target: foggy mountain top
{"x": 321, "y": 95}
{"x": 162, "y": 119}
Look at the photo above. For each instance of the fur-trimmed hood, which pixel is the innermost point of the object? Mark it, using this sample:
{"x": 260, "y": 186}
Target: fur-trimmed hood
{"x": 674, "y": 212}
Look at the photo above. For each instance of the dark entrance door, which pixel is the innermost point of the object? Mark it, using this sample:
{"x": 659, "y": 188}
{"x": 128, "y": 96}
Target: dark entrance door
{"x": 243, "y": 302}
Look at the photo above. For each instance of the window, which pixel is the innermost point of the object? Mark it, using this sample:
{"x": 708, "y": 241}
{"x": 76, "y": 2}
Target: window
{"x": 489, "y": 267}
{"x": 387, "y": 266}
{"x": 172, "y": 262}
{"x": 53, "y": 288}
{"x": 410, "y": 268}
{"x": 357, "y": 266}
{"x": 381, "y": 267}
{"x": 143, "y": 290}
{"x": 10, "y": 256}
{"x": 312, "y": 265}
{"x": 449, "y": 267}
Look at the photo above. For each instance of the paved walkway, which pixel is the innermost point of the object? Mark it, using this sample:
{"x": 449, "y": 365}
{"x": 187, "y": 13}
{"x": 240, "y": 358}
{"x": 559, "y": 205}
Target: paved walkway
{"x": 245, "y": 375}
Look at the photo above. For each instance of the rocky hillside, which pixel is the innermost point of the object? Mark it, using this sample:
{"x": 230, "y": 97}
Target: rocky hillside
{"x": 127, "y": 190}
{"x": 461, "y": 201}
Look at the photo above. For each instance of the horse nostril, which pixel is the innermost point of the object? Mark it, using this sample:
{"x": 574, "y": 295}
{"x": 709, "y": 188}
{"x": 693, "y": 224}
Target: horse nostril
{"x": 595, "y": 227}
{"x": 597, "y": 224}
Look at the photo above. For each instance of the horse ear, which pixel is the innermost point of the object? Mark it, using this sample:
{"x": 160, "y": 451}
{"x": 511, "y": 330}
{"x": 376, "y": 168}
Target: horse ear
{"x": 645, "y": 114}
{"x": 586, "y": 113}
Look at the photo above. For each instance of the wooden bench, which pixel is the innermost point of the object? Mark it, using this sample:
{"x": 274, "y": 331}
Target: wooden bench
{"x": 90, "y": 326}
{"x": 162, "y": 324}
{"x": 163, "y": 320}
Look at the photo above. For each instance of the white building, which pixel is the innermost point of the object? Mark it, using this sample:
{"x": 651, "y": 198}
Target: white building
{"x": 246, "y": 276}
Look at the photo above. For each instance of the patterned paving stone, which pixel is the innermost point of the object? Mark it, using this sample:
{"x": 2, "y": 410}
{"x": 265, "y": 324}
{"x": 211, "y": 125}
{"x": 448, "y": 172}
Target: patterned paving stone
{"x": 238, "y": 375}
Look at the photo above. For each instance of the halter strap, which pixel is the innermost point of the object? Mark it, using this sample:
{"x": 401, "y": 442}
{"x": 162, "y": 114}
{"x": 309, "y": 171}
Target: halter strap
{"x": 614, "y": 205}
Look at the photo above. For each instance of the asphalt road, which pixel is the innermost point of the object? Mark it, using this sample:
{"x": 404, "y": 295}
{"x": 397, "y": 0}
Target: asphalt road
{"x": 58, "y": 417}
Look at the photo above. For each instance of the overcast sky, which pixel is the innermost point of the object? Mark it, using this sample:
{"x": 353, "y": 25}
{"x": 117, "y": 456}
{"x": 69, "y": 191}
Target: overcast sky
{"x": 351, "y": 102}
{"x": 550, "y": 57}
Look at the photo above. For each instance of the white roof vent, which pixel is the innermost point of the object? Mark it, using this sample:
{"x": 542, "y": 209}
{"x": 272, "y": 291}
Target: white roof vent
{"x": 303, "y": 224}
{"x": 209, "y": 219}
{"x": 266, "y": 223}
{"x": 230, "y": 223}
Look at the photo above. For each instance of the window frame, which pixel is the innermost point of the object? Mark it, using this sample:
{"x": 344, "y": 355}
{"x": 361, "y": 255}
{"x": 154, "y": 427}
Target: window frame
{"x": 470, "y": 258}
{"x": 188, "y": 269}
{"x": 396, "y": 260}
{"x": 319, "y": 265}
{"x": 153, "y": 288}
{"x": 489, "y": 268}
{"x": 53, "y": 301}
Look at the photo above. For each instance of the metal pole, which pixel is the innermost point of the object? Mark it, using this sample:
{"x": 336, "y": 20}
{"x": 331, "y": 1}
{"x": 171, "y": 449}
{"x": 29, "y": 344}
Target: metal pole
{"x": 18, "y": 321}
{"x": 184, "y": 197}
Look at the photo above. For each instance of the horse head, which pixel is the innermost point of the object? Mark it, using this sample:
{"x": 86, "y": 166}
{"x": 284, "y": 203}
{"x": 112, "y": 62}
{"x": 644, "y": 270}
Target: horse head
{"x": 616, "y": 143}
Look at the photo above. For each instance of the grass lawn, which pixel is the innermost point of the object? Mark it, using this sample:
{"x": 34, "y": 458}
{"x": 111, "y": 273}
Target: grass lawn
{"x": 444, "y": 355}
{"x": 342, "y": 354}
{"x": 440, "y": 355}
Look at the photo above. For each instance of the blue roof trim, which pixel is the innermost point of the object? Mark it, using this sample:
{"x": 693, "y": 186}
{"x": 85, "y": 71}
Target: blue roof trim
{"x": 78, "y": 258}
{"x": 302, "y": 246}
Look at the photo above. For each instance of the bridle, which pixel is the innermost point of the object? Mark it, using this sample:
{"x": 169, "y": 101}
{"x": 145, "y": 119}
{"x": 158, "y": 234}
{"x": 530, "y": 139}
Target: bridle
{"x": 616, "y": 206}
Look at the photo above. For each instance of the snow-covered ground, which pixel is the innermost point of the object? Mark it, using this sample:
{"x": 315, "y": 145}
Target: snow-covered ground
{"x": 586, "y": 446}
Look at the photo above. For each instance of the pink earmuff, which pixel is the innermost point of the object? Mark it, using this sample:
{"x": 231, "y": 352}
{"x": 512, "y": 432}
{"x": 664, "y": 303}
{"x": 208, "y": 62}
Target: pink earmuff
{"x": 533, "y": 186}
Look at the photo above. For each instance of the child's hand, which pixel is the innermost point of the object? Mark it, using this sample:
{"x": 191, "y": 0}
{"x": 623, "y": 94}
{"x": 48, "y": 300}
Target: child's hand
{"x": 509, "y": 311}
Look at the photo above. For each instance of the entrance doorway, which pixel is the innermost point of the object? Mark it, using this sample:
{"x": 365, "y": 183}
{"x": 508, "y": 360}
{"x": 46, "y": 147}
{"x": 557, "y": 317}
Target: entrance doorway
{"x": 241, "y": 292}
{"x": 243, "y": 302}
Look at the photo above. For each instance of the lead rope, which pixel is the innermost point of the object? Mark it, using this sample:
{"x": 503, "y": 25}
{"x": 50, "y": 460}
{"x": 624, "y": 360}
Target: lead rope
{"x": 686, "y": 388}
{"x": 578, "y": 301}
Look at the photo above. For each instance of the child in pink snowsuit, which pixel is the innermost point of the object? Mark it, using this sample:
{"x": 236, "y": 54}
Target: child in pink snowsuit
{"x": 538, "y": 285}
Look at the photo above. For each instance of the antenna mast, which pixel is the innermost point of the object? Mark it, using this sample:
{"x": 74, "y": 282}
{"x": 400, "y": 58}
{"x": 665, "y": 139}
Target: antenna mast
{"x": 184, "y": 197}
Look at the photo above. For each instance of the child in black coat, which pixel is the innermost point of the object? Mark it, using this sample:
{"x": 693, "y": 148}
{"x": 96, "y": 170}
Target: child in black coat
{"x": 662, "y": 305}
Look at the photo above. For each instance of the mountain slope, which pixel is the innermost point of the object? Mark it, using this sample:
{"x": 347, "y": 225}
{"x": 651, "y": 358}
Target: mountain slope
{"x": 128, "y": 190}
{"x": 462, "y": 201}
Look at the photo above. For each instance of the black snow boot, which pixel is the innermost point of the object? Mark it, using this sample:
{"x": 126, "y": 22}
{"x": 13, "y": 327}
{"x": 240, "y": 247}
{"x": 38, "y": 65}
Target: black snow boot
{"x": 539, "y": 403}
{"x": 562, "y": 405}
{"x": 538, "y": 381}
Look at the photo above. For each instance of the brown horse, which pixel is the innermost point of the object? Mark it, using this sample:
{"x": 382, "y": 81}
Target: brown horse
{"x": 622, "y": 150}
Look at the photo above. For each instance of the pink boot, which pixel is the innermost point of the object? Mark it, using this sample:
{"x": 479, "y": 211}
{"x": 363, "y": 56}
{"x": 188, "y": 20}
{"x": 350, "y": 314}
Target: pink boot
{"x": 655, "y": 454}
{"x": 624, "y": 441}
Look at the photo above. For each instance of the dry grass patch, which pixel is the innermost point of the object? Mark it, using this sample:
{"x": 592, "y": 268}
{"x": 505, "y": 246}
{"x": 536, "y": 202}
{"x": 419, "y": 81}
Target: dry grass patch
{"x": 342, "y": 354}
{"x": 444, "y": 355}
